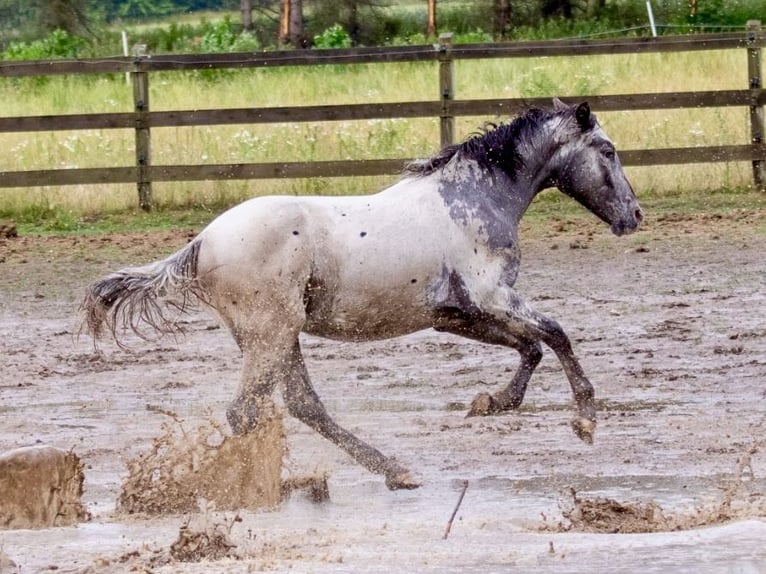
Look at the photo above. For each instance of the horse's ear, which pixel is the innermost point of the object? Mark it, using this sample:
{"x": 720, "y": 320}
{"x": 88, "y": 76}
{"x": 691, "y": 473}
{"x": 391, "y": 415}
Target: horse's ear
{"x": 582, "y": 115}
{"x": 559, "y": 106}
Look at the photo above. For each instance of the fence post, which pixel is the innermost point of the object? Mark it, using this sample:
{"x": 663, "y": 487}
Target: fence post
{"x": 754, "y": 72}
{"x": 140, "y": 79}
{"x": 446, "y": 89}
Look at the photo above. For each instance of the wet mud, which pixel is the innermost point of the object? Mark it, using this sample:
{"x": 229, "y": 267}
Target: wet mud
{"x": 669, "y": 326}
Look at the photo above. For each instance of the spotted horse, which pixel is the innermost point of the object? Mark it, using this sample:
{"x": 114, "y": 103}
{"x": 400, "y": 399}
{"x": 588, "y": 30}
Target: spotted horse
{"x": 438, "y": 249}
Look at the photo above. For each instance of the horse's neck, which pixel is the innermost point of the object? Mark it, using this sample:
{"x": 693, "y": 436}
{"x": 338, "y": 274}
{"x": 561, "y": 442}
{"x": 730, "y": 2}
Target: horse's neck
{"x": 536, "y": 169}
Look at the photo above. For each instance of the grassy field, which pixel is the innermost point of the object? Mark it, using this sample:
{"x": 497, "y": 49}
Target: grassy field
{"x": 71, "y": 205}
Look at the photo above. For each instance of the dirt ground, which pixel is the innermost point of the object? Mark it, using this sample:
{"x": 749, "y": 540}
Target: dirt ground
{"x": 669, "y": 324}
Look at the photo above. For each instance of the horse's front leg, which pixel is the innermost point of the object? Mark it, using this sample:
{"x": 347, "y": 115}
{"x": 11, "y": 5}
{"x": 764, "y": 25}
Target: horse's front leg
{"x": 513, "y": 323}
{"x": 522, "y": 318}
{"x": 486, "y": 328}
{"x": 512, "y": 395}
{"x": 304, "y": 404}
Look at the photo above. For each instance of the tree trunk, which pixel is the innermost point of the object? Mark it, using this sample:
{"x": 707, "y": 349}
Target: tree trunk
{"x": 296, "y": 23}
{"x": 247, "y": 14}
{"x": 284, "y": 21}
{"x": 501, "y": 22}
{"x": 431, "y": 27}
{"x": 594, "y": 7}
{"x": 291, "y": 23}
{"x": 353, "y": 22}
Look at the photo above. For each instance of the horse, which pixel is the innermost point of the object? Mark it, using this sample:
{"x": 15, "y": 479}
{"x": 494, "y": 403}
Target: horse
{"x": 437, "y": 249}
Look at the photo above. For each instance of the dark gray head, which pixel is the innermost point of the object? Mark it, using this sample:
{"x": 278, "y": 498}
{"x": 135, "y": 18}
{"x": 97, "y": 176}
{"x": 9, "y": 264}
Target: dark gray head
{"x": 564, "y": 147}
{"x": 586, "y": 168}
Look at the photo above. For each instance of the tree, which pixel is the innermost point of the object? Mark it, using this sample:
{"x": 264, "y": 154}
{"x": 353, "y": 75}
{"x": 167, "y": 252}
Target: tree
{"x": 501, "y": 19}
{"x": 431, "y": 26}
{"x": 246, "y": 6}
{"x": 291, "y": 23}
{"x": 558, "y": 8}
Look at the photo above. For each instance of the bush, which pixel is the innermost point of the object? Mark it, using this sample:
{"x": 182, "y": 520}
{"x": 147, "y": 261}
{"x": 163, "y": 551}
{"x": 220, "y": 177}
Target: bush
{"x": 334, "y": 37}
{"x": 57, "y": 44}
{"x": 221, "y": 37}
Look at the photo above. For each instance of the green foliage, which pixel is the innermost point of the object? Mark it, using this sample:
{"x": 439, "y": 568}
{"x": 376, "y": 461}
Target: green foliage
{"x": 174, "y": 38}
{"x": 477, "y": 36}
{"x": 144, "y": 8}
{"x": 333, "y": 37}
{"x": 717, "y": 12}
{"x": 222, "y": 37}
{"x": 57, "y": 44}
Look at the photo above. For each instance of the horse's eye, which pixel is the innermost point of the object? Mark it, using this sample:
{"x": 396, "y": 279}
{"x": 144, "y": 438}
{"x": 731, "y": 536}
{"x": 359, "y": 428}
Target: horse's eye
{"x": 609, "y": 153}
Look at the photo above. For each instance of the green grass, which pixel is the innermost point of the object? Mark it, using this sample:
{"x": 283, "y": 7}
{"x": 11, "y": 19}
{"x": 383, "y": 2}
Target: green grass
{"x": 547, "y": 206}
{"x": 64, "y": 207}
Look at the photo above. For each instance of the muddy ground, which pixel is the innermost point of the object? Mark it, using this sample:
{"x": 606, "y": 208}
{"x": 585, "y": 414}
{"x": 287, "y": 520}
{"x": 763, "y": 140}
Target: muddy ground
{"x": 669, "y": 324}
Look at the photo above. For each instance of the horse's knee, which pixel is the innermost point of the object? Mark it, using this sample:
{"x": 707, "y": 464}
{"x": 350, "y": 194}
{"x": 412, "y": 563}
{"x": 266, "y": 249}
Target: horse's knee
{"x": 300, "y": 408}
{"x": 242, "y": 416}
{"x": 303, "y": 404}
{"x": 555, "y": 337}
{"x": 533, "y": 354}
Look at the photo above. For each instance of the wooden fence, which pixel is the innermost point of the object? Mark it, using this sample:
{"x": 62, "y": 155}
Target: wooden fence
{"x": 142, "y": 119}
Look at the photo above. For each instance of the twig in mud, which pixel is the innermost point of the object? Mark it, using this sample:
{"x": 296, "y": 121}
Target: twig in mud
{"x": 457, "y": 507}
{"x": 168, "y": 413}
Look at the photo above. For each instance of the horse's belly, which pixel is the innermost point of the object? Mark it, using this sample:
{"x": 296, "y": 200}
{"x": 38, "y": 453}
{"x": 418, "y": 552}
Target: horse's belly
{"x": 368, "y": 320}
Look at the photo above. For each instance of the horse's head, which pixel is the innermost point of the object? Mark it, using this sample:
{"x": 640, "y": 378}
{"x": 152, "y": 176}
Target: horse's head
{"x": 590, "y": 171}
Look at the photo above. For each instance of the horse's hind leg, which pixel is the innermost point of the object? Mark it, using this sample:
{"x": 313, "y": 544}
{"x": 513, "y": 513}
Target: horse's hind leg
{"x": 304, "y": 404}
{"x": 256, "y": 386}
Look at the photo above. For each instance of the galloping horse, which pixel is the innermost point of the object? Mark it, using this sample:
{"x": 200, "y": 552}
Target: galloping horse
{"x": 437, "y": 249}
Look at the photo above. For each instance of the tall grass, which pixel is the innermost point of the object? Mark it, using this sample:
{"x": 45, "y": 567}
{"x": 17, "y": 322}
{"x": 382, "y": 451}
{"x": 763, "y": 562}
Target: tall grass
{"x": 390, "y": 138}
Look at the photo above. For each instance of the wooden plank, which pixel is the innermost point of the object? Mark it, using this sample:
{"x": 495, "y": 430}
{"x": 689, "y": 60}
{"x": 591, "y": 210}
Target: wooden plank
{"x": 591, "y": 47}
{"x": 387, "y": 54}
{"x": 321, "y": 113}
{"x": 685, "y": 155}
{"x": 68, "y": 122}
{"x": 611, "y": 103}
{"x": 277, "y": 170}
{"x": 340, "y": 168}
{"x": 423, "y": 109}
{"x": 41, "y": 177}
{"x": 10, "y": 69}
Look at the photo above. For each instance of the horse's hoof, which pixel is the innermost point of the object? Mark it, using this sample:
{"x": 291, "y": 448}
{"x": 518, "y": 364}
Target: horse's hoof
{"x": 482, "y": 405}
{"x": 401, "y": 480}
{"x": 584, "y": 429}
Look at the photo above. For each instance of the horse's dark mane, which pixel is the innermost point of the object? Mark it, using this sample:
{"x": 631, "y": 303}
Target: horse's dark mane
{"x": 494, "y": 145}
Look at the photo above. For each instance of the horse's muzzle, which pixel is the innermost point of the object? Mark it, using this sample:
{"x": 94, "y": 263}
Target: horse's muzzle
{"x": 628, "y": 225}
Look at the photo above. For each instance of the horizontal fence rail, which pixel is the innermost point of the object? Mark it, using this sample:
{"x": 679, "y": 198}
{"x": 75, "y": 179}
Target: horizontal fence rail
{"x": 446, "y": 108}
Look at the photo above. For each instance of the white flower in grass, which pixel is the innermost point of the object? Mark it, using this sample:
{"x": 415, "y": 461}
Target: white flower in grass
{"x": 696, "y": 130}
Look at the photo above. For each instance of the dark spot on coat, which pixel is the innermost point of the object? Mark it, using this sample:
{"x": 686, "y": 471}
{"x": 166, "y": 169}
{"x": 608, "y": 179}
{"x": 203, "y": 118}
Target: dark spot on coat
{"x": 413, "y": 281}
{"x": 296, "y": 233}
{"x": 362, "y": 234}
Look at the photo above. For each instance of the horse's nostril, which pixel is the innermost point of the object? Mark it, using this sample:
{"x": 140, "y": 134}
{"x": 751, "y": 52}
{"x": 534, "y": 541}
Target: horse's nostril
{"x": 639, "y": 215}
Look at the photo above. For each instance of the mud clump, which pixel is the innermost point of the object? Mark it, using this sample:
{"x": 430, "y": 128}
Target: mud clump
{"x": 41, "y": 487}
{"x": 211, "y": 542}
{"x": 231, "y": 472}
{"x": 605, "y": 515}
{"x": 608, "y": 516}
{"x": 8, "y": 230}
{"x": 315, "y": 487}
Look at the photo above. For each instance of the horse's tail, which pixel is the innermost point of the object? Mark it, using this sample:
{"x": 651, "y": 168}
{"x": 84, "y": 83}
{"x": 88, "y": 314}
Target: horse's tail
{"x": 123, "y": 300}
